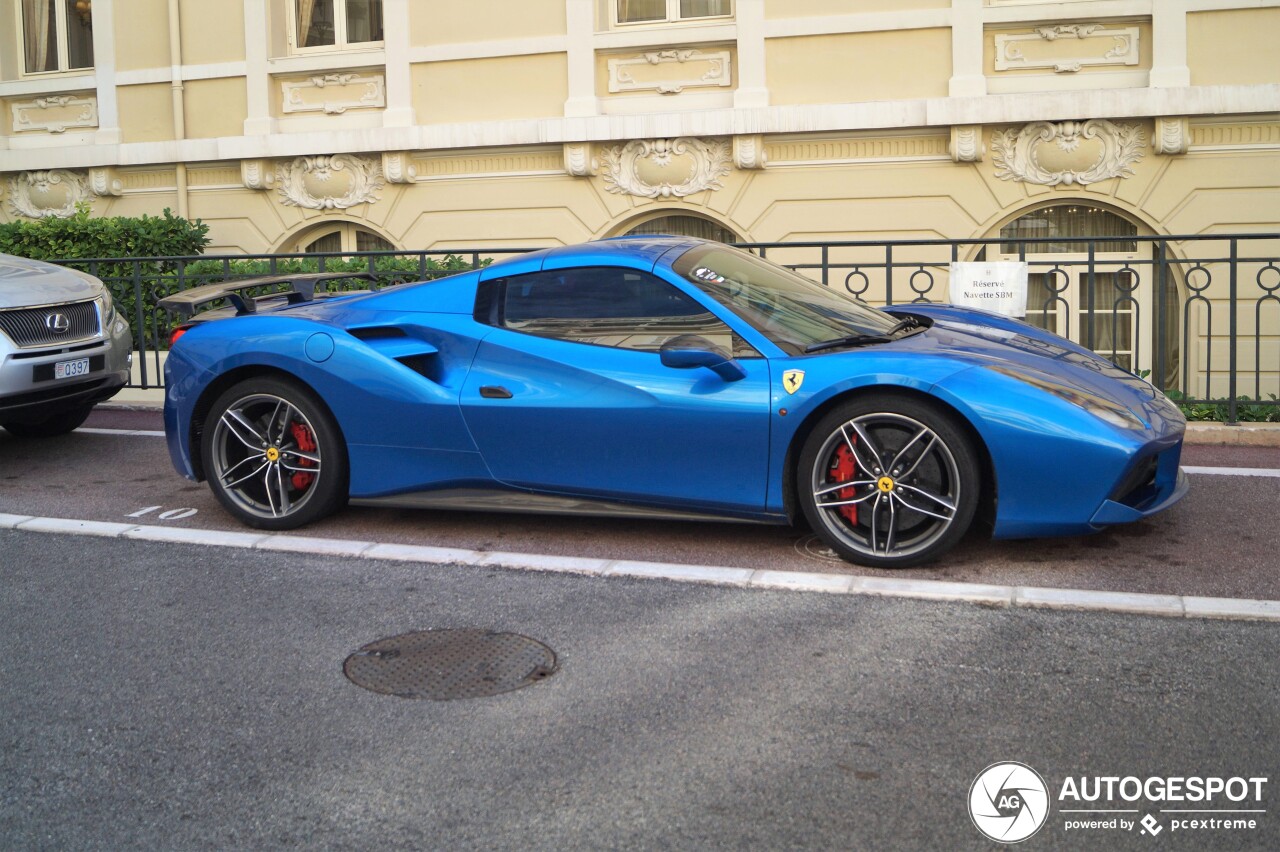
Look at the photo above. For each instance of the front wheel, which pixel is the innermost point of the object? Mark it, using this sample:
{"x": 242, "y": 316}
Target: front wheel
{"x": 889, "y": 482}
{"x": 274, "y": 455}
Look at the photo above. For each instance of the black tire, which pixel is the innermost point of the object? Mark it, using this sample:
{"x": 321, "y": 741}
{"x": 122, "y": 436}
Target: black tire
{"x": 52, "y": 426}
{"x": 913, "y": 481}
{"x": 274, "y": 455}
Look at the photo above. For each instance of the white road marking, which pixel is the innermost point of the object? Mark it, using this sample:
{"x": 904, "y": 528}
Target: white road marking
{"x": 1234, "y": 471}
{"x": 146, "y": 433}
{"x": 1181, "y": 606}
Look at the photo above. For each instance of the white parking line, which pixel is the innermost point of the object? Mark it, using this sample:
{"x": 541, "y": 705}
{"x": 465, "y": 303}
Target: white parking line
{"x": 1181, "y": 606}
{"x": 147, "y": 433}
{"x": 1234, "y": 471}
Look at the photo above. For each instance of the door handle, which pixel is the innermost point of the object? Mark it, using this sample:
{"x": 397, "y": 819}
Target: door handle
{"x": 494, "y": 392}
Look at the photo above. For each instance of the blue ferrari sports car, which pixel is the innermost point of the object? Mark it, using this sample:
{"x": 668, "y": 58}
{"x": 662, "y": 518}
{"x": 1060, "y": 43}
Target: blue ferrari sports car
{"x": 661, "y": 377}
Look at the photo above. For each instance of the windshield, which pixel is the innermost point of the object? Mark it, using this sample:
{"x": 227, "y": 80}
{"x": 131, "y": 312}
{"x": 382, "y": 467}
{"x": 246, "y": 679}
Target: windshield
{"x": 784, "y": 306}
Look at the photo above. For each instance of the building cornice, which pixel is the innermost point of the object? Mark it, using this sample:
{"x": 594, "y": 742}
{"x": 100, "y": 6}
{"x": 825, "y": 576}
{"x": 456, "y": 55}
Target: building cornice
{"x": 882, "y": 115}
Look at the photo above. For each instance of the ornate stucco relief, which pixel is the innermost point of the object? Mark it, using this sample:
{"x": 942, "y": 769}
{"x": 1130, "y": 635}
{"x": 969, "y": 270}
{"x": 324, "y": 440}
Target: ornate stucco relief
{"x": 54, "y": 113}
{"x": 665, "y": 168}
{"x": 1067, "y": 48}
{"x": 966, "y": 144}
{"x": 670, "y": 72}
{"x": 329, "y": 182}
{"x": 749, "y": 153}
{"x": 105, "y": 181}
{"x": 397, "y": 167}
{"x": 579, "y": 159}
{"x": 334, "y": 94}
{"x": 1172, "y": 136}
{"x": 55, "y": 192}
{"x": 257, "y": 174}
{"x": 1067, "y": 152}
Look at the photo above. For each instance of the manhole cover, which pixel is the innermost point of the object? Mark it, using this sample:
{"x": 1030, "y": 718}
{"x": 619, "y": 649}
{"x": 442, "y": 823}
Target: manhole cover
{"x": 446, "y": 664}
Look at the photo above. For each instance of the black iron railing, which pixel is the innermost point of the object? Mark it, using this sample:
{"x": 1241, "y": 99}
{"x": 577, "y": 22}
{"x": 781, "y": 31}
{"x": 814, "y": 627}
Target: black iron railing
{"x": 1199, "y": 315}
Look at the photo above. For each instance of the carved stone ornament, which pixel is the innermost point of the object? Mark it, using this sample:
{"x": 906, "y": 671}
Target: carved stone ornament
{"x": 1106, "y": 46}
{"x": 579, "y": 159}
{"x": 55, "y": 192}
{"x": 397, "y": 168}
{"x": 670, "y": 72}
{"x": 966, "y": 144}
{"x": 1172, "y": 136}
{"x": 665, "y": 168}
{"x": 1067, "y": 152}
{"x": 749, "y": 153}
{"x": 105, "y": 181}
{"x": 55, "y": 113}
{"x": 334, "y": 94}
{"x": 329, "y": 182}
{"x": 257, "y": 174}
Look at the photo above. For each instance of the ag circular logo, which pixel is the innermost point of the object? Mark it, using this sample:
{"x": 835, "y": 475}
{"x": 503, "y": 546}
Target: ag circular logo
{"x": 1009, "y": 802}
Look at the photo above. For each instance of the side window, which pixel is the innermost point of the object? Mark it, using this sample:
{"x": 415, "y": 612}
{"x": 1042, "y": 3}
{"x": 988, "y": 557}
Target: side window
{"x": 605, "y": 306}
{"x": 336, "y": 24}
{"x": 57, "y": 35}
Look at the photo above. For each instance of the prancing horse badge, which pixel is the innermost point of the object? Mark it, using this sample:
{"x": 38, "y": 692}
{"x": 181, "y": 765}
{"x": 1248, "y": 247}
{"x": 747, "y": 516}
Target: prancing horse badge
{"x": 792, "y": 380}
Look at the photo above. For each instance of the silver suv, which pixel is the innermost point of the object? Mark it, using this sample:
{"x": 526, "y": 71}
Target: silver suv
{"x": 63, "y": 347}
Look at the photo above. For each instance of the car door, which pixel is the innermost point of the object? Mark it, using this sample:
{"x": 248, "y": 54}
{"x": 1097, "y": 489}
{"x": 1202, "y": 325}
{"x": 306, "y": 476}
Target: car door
{"x": 568, "y": 393}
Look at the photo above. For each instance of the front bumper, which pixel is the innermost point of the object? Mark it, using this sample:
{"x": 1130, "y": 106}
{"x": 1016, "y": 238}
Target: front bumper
{"x": 29, "y": 394}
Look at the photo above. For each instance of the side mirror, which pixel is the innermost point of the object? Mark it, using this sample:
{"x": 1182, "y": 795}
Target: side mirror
{"x": 686, "y": 351}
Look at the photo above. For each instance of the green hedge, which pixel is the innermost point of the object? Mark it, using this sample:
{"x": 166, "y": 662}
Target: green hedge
{"x": 85, "y": 236}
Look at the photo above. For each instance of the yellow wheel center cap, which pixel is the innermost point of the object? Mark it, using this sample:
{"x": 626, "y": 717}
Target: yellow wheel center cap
{"x": 273, "y": 454}
{"x": 885, "y": 484}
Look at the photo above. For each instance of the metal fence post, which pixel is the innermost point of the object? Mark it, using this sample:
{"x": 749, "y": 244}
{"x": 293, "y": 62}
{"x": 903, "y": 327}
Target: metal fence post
{"x": 1232, "y": 336}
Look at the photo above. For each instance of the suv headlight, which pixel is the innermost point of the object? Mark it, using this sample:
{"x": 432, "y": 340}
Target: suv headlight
{"x": 108, "y": 307}
{"x": 1099, "y": 406}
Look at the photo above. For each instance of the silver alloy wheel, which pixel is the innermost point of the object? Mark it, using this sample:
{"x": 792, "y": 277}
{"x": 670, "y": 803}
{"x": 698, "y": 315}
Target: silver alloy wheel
{"x": 260, "y": 459}
{"x": 886, "y": 485}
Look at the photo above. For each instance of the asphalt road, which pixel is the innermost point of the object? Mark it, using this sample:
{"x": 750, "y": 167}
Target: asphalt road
{"x": 177, "y": 697}
{"x": 1221, "y": 541}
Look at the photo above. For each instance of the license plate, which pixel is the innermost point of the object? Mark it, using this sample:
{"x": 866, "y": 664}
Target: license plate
{"x": 67, "y": 369}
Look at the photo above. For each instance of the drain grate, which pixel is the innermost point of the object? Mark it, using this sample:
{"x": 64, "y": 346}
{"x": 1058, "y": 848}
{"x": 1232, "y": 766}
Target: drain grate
{"x": 445, "y": 664}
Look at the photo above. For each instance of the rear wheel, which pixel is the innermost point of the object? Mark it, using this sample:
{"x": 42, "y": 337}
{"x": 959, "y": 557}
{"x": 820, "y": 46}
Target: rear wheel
{"x": 52, "y": 426}
{"x": 889, "y": 482}
{"x": 274, "y": 455}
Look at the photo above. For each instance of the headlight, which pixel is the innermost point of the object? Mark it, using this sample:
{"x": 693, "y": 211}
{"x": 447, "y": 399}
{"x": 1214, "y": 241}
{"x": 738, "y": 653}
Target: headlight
{"x": 108, "y": 307}
{"x": 1099, "y": 406}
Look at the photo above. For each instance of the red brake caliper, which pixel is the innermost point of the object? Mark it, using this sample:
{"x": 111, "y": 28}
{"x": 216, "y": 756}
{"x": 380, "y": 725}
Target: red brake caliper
{"x": 843, "y": 468}
{"x": 306, "y": 443}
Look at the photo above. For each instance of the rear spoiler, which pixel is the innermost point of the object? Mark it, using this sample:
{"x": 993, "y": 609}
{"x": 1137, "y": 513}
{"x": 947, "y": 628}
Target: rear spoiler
{"x": 187, "y": 302}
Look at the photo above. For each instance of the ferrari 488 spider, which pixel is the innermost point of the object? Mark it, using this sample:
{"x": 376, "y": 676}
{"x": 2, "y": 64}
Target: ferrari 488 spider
{"x": 662, "y": 377}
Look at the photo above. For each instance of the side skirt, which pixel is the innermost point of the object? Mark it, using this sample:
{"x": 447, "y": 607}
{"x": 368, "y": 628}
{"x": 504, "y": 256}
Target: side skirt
{"x": 485, "y": 500}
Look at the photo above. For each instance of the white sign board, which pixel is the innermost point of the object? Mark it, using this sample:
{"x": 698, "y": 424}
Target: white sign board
{"x": 997, "y": 287}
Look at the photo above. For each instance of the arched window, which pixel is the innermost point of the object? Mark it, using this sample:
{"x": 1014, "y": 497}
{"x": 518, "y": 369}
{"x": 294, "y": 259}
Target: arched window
{"x": 1066, "y": 221}
{"x": 1094, "y": 281}
{"x": 684, "y": 225}
{"x": 341, "y": 237}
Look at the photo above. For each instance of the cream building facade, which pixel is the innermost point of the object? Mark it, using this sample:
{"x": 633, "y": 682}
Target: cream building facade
{"x": 294, "y": 125}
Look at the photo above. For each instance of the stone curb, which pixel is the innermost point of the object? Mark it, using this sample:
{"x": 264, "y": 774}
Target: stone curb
{"x": 1240, "y": 435}
{"x": 1178, "y": 606}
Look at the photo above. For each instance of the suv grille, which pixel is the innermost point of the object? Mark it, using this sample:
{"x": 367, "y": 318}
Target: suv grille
{"x": 48, "y": 326}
